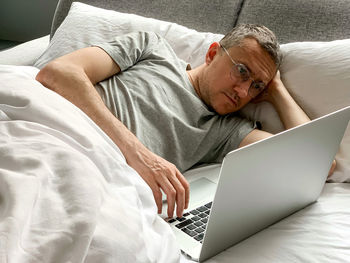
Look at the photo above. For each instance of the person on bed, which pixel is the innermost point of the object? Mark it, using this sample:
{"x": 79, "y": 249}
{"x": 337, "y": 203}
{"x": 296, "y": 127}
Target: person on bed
{"x": 166, "y": 117}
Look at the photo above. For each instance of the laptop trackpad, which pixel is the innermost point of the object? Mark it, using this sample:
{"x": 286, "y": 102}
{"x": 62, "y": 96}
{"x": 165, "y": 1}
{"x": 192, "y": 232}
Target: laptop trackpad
{"x": 201, "y": 190}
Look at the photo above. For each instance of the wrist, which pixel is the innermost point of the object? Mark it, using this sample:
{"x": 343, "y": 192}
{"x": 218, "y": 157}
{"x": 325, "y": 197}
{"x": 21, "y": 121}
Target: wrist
{"x": 136, "y": 154}
{"x": 277, "y": 92}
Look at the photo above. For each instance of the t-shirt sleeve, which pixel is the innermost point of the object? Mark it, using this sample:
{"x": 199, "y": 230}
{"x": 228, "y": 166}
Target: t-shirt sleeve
{"x": 127, "y": 50}
{"x": 233, "y": 130}
{"x": 243, "y": 128}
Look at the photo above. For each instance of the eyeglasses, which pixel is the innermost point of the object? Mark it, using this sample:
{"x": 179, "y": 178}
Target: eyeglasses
{"x": 241, "y": 72}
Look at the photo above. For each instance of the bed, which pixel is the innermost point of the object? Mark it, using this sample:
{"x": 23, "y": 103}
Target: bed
{"x": 66, "y": 192}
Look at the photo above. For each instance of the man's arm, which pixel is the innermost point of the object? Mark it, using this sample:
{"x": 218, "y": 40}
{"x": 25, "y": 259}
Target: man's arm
{"x": 73, "y": 76}
{"x": 288, "y": 110}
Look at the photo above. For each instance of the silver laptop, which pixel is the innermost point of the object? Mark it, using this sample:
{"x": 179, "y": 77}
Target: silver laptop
{"x": 258, "y": 185}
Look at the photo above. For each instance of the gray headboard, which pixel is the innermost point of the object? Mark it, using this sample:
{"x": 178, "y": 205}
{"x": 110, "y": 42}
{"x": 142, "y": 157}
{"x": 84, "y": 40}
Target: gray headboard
{"x": 196, "y": 14}
{"x": 300, "y": 20}
{"x": 297, "y": 20}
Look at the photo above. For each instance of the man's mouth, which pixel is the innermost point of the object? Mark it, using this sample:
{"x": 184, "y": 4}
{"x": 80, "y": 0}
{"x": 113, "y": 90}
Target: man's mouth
{"x": 232, "y": 99}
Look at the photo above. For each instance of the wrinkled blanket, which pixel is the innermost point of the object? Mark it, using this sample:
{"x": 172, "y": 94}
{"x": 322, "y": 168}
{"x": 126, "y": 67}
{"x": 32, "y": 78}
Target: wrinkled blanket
{"x": 66, "y": 192}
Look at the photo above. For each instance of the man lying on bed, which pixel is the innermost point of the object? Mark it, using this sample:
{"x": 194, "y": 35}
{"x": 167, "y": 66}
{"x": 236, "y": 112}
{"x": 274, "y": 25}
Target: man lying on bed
{"x": 166, "y": 117}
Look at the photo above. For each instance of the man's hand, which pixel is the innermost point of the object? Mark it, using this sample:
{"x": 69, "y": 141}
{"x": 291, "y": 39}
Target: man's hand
{"x": 161, "y": 174}
{"x": 265, "y": 95}
{"x": 331, "y": 171}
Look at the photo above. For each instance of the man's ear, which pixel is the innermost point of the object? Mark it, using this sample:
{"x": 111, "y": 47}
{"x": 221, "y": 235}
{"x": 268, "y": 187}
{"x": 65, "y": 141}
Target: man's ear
{"x": 212, "y": 52}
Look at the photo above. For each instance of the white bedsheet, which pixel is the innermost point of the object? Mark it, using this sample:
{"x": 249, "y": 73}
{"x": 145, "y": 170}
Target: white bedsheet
{"x": 66, "y": 192}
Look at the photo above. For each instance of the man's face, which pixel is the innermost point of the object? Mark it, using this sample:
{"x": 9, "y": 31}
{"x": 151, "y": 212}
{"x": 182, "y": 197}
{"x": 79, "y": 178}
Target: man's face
{"x": 224, "y": 91}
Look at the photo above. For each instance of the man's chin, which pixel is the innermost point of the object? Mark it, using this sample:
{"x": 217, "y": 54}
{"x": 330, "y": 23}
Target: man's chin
{"x": 224, "y": 111}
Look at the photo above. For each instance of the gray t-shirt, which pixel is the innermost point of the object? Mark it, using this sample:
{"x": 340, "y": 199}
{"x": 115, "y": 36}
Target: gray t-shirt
{"x": 153, "y": 97}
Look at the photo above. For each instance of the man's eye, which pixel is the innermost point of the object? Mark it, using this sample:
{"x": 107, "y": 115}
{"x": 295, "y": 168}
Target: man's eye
{"x": 243, "y": 71}
{"x": 259, "y": 86}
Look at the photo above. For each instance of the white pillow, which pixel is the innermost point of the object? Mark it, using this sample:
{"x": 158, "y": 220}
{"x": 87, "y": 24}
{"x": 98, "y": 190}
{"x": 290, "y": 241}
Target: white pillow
{"x": 317, "y": 74}
{"x": 86, "y": 24}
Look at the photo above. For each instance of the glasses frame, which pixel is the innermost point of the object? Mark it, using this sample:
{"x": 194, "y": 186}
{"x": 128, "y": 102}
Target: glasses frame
{"x": 251, "y": 91}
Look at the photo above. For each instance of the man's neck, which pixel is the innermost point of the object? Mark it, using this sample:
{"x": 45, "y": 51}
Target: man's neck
{"x": 194, "y": 77}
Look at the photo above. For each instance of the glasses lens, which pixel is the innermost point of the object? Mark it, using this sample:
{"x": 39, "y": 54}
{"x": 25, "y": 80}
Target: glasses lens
{"x": 240, "y": 71}
{"x": 256, "y": 88}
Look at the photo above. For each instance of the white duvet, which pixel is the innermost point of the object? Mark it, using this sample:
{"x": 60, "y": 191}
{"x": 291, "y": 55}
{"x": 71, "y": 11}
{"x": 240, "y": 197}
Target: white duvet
{"x": 66, "y": 192}
{"x": 67, "y": 195}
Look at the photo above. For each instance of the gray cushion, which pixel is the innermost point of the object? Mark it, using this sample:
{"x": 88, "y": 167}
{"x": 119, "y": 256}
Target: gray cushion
{"x": 300, "y": 20}
{"x": 215, "y": 16}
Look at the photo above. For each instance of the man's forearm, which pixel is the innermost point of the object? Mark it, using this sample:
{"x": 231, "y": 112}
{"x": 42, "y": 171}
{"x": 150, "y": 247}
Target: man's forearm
{"x": 289, "y": 111}
{"x": 73, "y": 84}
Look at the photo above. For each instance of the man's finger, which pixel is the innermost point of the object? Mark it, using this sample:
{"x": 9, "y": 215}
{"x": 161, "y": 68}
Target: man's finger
{"x": 180, "y": 195}
{"x": 331, "y": 171}
{"x": 157, "y": 194}
{"x": 170, "y": 192}
{"x": 186, "y": 187}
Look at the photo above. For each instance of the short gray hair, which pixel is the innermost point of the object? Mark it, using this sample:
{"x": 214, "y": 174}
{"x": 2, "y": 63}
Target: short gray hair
{"x": 264, "y": 36}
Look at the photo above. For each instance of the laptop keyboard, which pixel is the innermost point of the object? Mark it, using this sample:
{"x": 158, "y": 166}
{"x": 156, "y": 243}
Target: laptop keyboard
{"x": 194, "y": 222}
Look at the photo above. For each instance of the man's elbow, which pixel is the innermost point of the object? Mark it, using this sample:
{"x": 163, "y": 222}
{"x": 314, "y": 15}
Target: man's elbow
{"x": 57, "y": 73}
{"x": 48, "y": 75}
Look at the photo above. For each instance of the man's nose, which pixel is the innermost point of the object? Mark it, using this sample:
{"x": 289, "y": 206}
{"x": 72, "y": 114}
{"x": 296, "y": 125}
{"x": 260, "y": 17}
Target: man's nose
{"x": 242, "y": 89}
